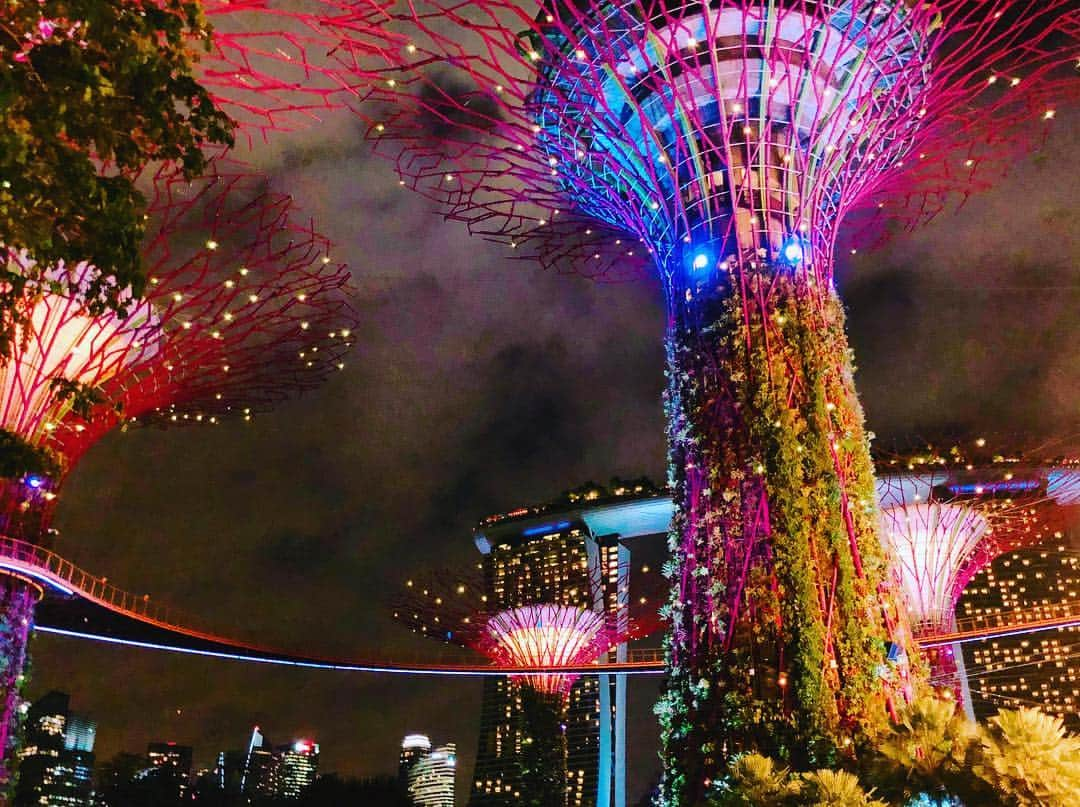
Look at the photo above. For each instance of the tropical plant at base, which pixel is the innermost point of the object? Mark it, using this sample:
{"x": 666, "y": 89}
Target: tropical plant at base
{"x": 930, "y": 757}
{"x": 827, "y": 788}
{"x": 930, "y": 748}
{"x": 1029, "y": 759}
{"x": 757, "y": 781}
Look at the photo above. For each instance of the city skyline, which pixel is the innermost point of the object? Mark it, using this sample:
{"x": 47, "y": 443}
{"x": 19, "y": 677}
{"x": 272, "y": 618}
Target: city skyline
{"x": 572, "y": 386}
{"x": 522, "y": 562}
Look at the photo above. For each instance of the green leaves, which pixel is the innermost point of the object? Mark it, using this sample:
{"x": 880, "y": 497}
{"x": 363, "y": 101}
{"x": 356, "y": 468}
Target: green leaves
{"x": 18, "y": 458}
{"x": 83, "y": 110}
{"x": 1029, "y": 759}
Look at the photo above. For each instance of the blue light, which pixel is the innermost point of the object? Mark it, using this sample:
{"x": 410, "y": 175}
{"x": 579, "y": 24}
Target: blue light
{"x": 312, "y": 664}
{"x": 562, "y": 525}
{"x": 793, "y": 251}
{"x": 35, "y": 481}
{"x": 994, "y": 487}
{"x": 701, "y": 260}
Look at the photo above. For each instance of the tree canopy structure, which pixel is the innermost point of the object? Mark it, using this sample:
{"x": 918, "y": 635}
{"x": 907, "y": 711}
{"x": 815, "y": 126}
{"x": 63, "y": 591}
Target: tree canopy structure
{"x": 245, "y": 304}
{"x": 93, "y": 92}
{"x": 529, "y": 636}
{"x": 722, "y": 145}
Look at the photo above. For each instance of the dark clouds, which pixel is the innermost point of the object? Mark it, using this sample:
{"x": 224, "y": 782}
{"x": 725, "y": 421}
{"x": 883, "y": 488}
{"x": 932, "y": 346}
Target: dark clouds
{"x": 971, "y": 324}
{"x": 478, "y": 384}
{"x": 453, "y": 109}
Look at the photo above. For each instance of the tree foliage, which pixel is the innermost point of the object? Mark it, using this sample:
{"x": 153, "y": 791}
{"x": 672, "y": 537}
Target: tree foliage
{"x": 18, "y": 458}
{"x": 91, "y": 92}
{"x": 931, "y": 756}
{"x": 1029, "y": 760}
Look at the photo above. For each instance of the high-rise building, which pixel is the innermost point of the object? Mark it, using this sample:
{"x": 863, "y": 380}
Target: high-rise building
{"x": 431, "y": 777}
{"x": 413, "y": 748}
{"x": 558, "y": 562}
{"x": 265, "y": 771}
{"x": 257, "y": 778}
{"x": 295, "y": 768}
{"x": 170, "y": 756}
{"x": 229, "y": 772}
{"x": 1027, "y": 669}
{"x": 170, "y": 761}
{"x": 56, "y": 764}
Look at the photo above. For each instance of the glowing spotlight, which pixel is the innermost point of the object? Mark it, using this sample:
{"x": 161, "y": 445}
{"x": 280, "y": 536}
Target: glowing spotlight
{"x": 35, "y": 481}
{"x": 701, "y": 260}
{"x": 793, "y": 251}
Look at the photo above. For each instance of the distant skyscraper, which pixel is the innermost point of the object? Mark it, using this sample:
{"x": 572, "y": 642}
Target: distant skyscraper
{"x": 229, "y": 772}
{"x": 281, "y": 772}
{"x": 562, "y": 563}
{"x": 431, "y": 777}
{"x": 171, "y": 761}
{"x": 258, "y": 773}
{"x": 1026, "y": 669}
{"x": 56, "y": 767}
{"x": 169, "y": 755}
{"x": 295, "y": 768}
{"x": 413, "y": 748}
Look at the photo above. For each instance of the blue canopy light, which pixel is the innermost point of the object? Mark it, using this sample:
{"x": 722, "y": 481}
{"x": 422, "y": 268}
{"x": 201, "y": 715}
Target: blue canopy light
{"x": 35, "y": 481}
{"x": 793, "y": 251}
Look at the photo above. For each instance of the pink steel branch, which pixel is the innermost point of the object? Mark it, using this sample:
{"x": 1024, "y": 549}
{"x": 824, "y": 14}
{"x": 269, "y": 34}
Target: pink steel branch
{"x": 271, "y": 66}
{"x": 245, "y": 304}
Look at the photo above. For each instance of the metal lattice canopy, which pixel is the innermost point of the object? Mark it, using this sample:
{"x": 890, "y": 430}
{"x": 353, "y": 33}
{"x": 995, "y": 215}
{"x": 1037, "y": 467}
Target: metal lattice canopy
{"x": 456, "y": 609}
{"x": 599, "y": 136}
{"x": 245, "y": 304}
{"x": 270, "y": 65}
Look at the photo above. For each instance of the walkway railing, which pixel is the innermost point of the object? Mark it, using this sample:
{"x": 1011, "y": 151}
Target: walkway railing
{"x": 45, "y": 566}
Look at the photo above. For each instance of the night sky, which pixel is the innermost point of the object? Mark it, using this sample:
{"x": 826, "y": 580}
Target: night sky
{"x": 477, "y": 384}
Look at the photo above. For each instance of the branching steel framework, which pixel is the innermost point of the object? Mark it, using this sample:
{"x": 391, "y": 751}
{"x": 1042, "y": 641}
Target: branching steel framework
{"x": 245, "y": 304}
{"x": 456, "y": 610}
{"x": 271, "y": 67}
{"x": 940, "y": 532}
{"x": 723, "y": 144}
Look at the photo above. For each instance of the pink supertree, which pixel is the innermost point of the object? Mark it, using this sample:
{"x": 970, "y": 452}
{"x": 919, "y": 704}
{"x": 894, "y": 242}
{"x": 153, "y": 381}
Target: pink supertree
{"x": 245, "y": 305}
{"x": 722, "y": 145}
{"x": 553, "y": 633}
{"x": 530, "y": 636}
{"x": 946, "y": 518}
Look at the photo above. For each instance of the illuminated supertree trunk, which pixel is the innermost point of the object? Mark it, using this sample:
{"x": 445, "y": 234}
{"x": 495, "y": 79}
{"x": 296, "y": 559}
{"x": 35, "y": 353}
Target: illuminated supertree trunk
{"x": 721, "y": 144}
{"x": 778, "y": 578}
{"x": 18, "y": 596}
{"x": 244, "y": 306}
{"x": 543, "y": 754}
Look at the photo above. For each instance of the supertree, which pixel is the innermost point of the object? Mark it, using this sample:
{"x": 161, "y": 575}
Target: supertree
{"x": 947, "y": 516}
{"x": 457, "y": 610}
{"x": 245, "y": 304}
{"x": 270, "y": 66}
{"x": 96, "y": 93}
{"x": 722, "y": 144}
